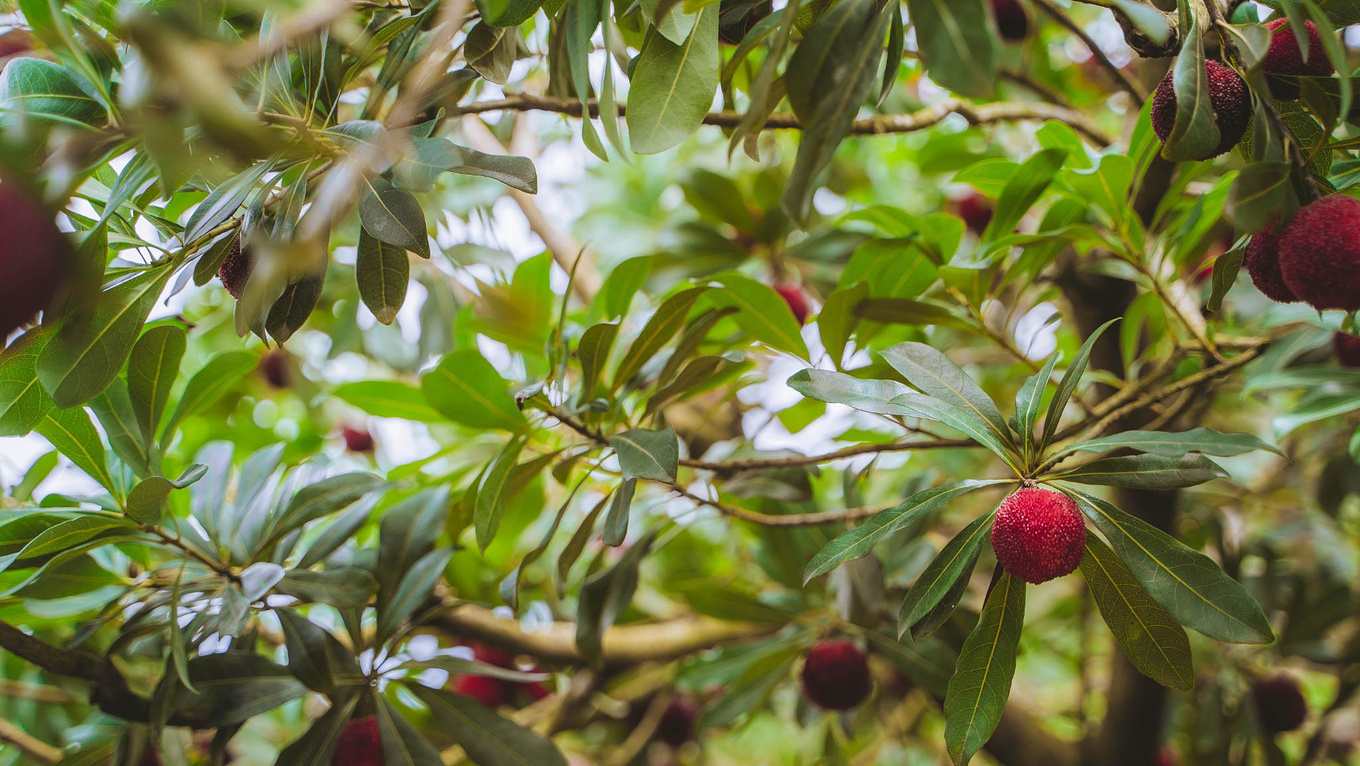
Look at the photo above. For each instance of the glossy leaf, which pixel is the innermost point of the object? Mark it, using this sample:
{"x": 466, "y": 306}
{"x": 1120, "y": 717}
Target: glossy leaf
{"x": 673, "y": 86}
{"x": 982, "y": 678}
{"x": 1146, "y": 472}
{"x": 953, "y": 563}
{"x": 466, "y": 389}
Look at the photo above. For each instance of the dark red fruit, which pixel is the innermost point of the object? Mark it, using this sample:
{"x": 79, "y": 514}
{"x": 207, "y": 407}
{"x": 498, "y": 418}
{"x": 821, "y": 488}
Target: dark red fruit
{"x": 836, "y": 675}
{"x": 360, "y": 744}
{"x": 797, "y": 300}
{"x": 975, "y": 210}
{"x": 1347, "y": 348}
{"x": 677, "y": 722}
{"x": 1285, "y": 57}
{"x": 357, "y": 439}
{"x": 1011, "y": 19}
{"x": 1280, "y": 706}
{"x": 737, "y": 17}
{"x": 276, "y": 370}
{"x": 35, "y": 261}
{"x": 15, "y": 42}
{"x": 493, "y": 655}
{"x": 150, "y": 758}
{"x": 236, "y": 268}
{"x": 1263, "y": 264}
{"x": 485, "y": 689}
{"x": 1227, "y": 96}
{"x": 1168, "y": 757}
{"x": 1038, "y": 534}
{"x": 1320, "y": 253}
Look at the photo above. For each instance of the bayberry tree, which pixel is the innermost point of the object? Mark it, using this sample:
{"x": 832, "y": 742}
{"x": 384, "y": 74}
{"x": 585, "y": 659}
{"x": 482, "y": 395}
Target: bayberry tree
{"x": 521, "y": 382}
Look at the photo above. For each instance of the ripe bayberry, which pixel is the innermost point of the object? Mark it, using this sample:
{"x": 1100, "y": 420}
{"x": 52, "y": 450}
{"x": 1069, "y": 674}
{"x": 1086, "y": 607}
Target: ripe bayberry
{"x": 1228, "y": 97}
{"x": 796, "y": 298}
{"x": 35, "y": 261}
{"x": 836, "y": 675}
{"x": 360, "y": 744}
{"x": 1280, "y": 705}
{"x": 1038, "y": 534}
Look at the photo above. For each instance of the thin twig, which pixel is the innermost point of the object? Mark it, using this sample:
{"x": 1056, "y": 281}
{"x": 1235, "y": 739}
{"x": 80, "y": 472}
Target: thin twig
{"x": 1123, "y": 78}
{"x": 28, "y": 744}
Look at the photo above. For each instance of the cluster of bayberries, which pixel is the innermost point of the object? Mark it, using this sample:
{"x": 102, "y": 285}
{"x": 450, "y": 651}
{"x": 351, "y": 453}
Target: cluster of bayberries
{"x": 1315, "y": 256}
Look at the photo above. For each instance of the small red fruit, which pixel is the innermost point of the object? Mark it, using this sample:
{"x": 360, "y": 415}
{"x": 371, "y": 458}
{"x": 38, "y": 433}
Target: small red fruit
{"x": 150, "y": 758}
{"x": 836, "y": 675}
{"x": 797, "y": 300}
{"x": 1320, "y": 253}
{"x": 1263, "y": 264}
{"x": 34, "y": 262}
{"x": 360, "y": 744}
{"x": 1347, "y": 348}
{"x": 493, "y": 655}
{"x": 1227, "y": 96}
{"x": 276, "y": 370}
{"x": 485, "y": 689}
{"x": 1280, "y": 706}
{"x": 1285, "y": 57}
{"x": 1011, "y": 19}
{"x": 235, "y": 269}
{"x": 1038, "y": 534}
{"x": 357, "y": 439}
{"x": 677, "y": 722}
{"x": 975, "y": 210}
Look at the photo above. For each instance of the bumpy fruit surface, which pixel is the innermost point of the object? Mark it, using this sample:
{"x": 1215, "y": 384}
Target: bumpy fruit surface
{"x": 235, "y": 269}
{"x": 1347, "y": 348}
{"x": 1011, "y": 19}
{"x": 976, "y": 212}
{"x": 1263, "y": 264}
{"x": 676, "y": 726}
{"x": 1320, "y": 253}
{"x": 797, "y": 300}
{"x": 1285, "y": 57}
{"x": 836, "y": 675}
{"x": 1227, "y": 96}
{"x": 485, "y": 689}
{"x": 1038, "y": 534}
{"x": 357, "y": 439}
{"x": 34, "y": 261}
{"x": 360, "y": 744}
{"x": 1280, "y": 706}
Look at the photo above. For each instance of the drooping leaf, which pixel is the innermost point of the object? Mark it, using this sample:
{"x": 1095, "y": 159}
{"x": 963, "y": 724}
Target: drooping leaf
{"x": 647, "y": 454}
{"x": 468, "y": 390}
{"x": 954, "y": 562}
{"x": 394, "y": 216}
{"x": 958, "y": 44}
{"x": 383, "y": 273}
{"x": 486, "y": 736}
{"x": 152, "y": 369}
{"x": 23, "y": 402}
{"x": 982, "y": 678}
{"x": 1146, "y": 471}
{"x": 673, "y": 86}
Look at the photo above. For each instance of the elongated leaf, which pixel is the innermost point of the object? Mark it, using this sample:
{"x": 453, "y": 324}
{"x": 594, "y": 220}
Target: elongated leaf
{"x": 68, "y": 534}
{"x": 761, "y": 314}
{"x": 605, "y": 596}
{"x": 954, "y": 562}
{"x": 342, "y": 587}
{"x": 1028, "y": 400}
{"x": 1195, "y": 134}
{"x": 222, "y": 201}
{"x": 146, "y": 501}
{"x": 616, "y": 523}
{"x": 468, "y": 390}
{"x": 1022, "y": 191}
{"x": 673, "y": 86}
{"x": 308, "y": 658}
{"x": 43, "y": 89}
{"x": 317, "y": 746}
{"x": 408, "y": 531}
{"x": 388, "y": 399}
{"x": 861, "y": 540}
{"x": 1146, "y": 472}
{"x": 1175, "y": 444}
{"x": 383, "y": 272}
{"x": 72, "y": 433}
{"x": 394, "y": 216}
{"x": 402, "y": 743}
{"x": 934, "y": 373}
{"x": 338, "y": 531}
{"x": 486, "y": 736}
{"x": 320, "y": 499}
{"x": 113, "y": 409}
{"x": 217, "y": 377}
{"x": 152, "y": 369}
{"x": 976, "y": 429}
{"x": 660, "y": 328}
{"x": 1154, "y": 642}
{"x": 838, "y": 388}
{"x": 89, "y": 351}
{"x": 516, "y": 172}
{"x": 1187, "y": 584}
{"x": 647, "y": 454}
{"x": 1068, "y": 385}
{"x": 982, "y": 678}
{"x": 494, "y": 491}
{"x": 413, "y": 590}
{"x": 593, "y": 352}
{"x": 23, "y": 402}
{"x": 958, "y": 43}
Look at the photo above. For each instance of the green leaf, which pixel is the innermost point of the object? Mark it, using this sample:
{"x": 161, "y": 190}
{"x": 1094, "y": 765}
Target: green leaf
{"x": 341, "y": 588}
{"x": 338, "y": 531}
{"x": 71, "y": 533}
{"x": 394, "y": 216}
{"x": 982, "y": 678}
{"x": 1186, "y": 583}
{"x": 402, "y": 743}
{"x": 516, "y": 172}
{"x": 23, "y": 402}
{"x": 494, "y": 491}
{"x": 647, "y": 454}
{"x": 407, "y": 532}
{"x": 88, "y": 351}
{"x": 486, "y": 736}
{"x": 1022, "y": 191}
{"x": 1259, "y": 192}
{"x": 1154, "y": 642}
{"x": 604, "y": 596}
{"x": 113, "y": 409}
{"x": 491, "y": 51}
{"x": 388, "y": 399}
{"x": 1195, "y": 134}
{"x": 507, "y": 13}
{"x": 1174, "y": 444}
{"x": 837, "y": 319}
{"x": 953, "y": 563}
{"x": 413, "y": 590}
{"x": 152, "y": 370}
{"x": 1068, "y": 385}
{"x": 960, "y": 50}
{"x": 1028, "y": 400}
{"x": 1146, "y": 472}
{"x": 928, "y": 663}
{"x": 673, "y": 86}
{"x": 838, "y": 388}
{"x": 317, "y": 746}
{"x": 74, "y": 436}
{"x": 466, "y": 389}
{"x": 34, "y": 86}
{"x": 966, "y": 422}
{"x": 593, "y": 351}
{"x": 1226, "y": 267}
{"x": 859, "y": 541}
{"x": 934, "y": 373}
{"x": 207, "y": 385}
{"x": 383, "y": 272}
{"x": 616, "y": 522}
{"x": 660, "y": 328}
{"x": 222, "y": 201}
{"x": 762, "y": 314}
{"x": 308, "y": 655}
{"x": 146, "y": 502}
{"x": 621, "y": 285}
{"x": 321, "y": 499}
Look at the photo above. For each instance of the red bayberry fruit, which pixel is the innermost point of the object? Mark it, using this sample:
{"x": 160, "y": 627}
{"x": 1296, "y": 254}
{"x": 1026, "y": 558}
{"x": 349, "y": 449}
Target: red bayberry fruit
{"x": 1284, "y": 56}
{"x": 1227, "y": 96}
{"x": 1012, "y": 21}
{"x": 1280, "y": 706}
{"x": 1263, "y": 264}
{"x": 677, "y": 722}
{"x": 360, "y": 744}
{"x": 35, "y": 261}
{"x": 1038, "y": 534}
{"x": 836, "y": 675}
{"x": 1347, "y": 348}
{"x": 485, "y": 689}
{"x": 235, "y": 269}
{"x": 797, "y": 300}
{"x": 493, "y": 655}
{"x": 357, "y": 439}
{"x": 975, "y": 210}
{"x": 276, "y": 370}
{"x": 150, "y": 758}
{"x": 1320, "y": 253}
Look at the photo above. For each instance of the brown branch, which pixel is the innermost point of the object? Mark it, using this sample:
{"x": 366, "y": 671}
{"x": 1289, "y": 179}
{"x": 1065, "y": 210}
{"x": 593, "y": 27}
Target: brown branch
{"x": 1123, "y": 78}
{"x": 28, "y": 744}
{"x": 1138, "y": 40}
{"x": 975, "y": 114}
{"x": 624, "y": 645}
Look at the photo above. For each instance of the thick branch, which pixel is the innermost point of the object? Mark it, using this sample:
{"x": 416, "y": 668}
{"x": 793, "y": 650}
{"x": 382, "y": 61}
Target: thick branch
{"x": 975, "y": 114}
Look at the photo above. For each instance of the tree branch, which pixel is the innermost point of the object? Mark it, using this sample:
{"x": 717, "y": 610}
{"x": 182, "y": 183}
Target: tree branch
{"x": 1123, "y": 78}
{"x": 975, "y": 114}
{"x": 28, "y": 744}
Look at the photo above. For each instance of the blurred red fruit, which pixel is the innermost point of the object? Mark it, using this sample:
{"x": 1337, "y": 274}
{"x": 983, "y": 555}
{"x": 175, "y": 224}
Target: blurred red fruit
{"x": 357, "y": 439}
{"x": 360, "y": 744}
{"x": 485, "y": 689}
{"x": 975, "y": 210}
{"x": 677, "y": 722}
{"x": 1011, "y": 19}
{"x": 1280, "y": 705}
{"x": 275, "y": 369}
{"x": 1347, "y": 348}
{"x": 34, "y": 262}
{"x": 797, "y": 300}
{"x": 836, "y": 675}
